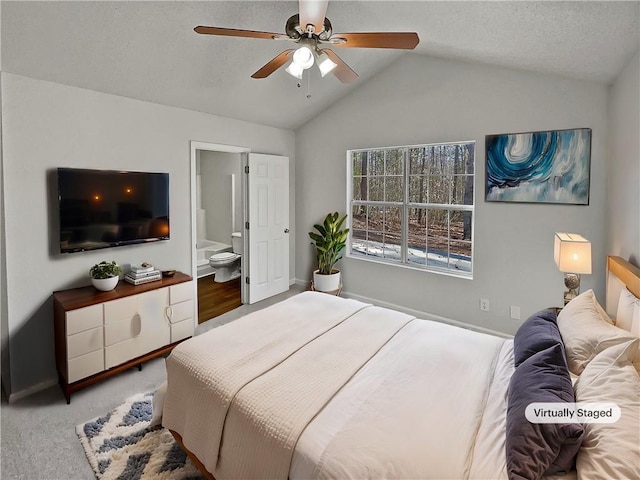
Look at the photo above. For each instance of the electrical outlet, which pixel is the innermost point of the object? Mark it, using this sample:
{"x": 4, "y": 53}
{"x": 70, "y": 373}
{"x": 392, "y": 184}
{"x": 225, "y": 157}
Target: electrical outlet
{"x": 515, "y": 312}
{"x": 484, "y": 304}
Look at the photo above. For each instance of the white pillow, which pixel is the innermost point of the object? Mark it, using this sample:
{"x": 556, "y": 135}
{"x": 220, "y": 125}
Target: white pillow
{"x": 586, "y": 302}
{"x": 628, "y": 313}
{"x": 587, "y": 330}
{"x": 611, "y": 450}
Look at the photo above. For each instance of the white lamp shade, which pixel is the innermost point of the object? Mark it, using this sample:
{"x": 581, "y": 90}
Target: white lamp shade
{"x": 572, "y": 253}
{"x": 295, "y": 70}
{"x": 325, "y": 64}
{"x": 303, "y": 57}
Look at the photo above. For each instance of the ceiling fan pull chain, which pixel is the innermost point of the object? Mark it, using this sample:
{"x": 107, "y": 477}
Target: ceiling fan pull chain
{"x": 309, "y": 85}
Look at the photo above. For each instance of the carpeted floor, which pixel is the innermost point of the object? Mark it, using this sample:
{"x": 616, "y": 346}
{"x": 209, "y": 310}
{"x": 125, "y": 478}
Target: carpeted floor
{"x": 122, "y": 445}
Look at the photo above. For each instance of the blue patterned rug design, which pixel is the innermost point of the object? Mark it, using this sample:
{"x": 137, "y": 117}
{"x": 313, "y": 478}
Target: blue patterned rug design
{"x": 122, "y": 446}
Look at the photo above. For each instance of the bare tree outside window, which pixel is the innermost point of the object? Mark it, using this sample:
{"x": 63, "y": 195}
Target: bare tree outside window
{"x": 414, "y": 206}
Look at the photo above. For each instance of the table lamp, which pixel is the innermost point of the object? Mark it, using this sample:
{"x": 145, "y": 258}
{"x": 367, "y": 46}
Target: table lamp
{"x": 572, "y": 254}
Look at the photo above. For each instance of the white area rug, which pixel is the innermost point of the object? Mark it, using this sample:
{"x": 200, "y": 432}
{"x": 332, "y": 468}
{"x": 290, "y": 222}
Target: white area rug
{"x": 122, "y": 446}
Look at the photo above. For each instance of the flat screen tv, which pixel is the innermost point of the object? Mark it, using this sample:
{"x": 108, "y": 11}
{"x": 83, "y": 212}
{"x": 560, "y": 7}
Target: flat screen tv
{"x": 105, "y": 208}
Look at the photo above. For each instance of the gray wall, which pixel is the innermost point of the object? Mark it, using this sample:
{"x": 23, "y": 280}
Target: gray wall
{"x": 623, "y": 172}
{"x": 424, "y": 100}
{"x": 48, "y": 125}
{"x": 4, "y": 322}
{"x": 216, "y": 169}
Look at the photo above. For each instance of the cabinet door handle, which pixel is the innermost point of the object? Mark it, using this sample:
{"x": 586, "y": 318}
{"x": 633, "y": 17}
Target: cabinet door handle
{"x": 169, "y": 312}
{"x": 137, "y": 327}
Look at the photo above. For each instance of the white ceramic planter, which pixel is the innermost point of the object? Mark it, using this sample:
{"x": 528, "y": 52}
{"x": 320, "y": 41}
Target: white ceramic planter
{"x": 326, "y": 283}
{"x": 105, "y": 284}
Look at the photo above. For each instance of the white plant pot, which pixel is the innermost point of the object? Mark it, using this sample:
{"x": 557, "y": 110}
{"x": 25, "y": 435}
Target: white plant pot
{"x": 105, "y": 284}
{"x": 326, "y": 283}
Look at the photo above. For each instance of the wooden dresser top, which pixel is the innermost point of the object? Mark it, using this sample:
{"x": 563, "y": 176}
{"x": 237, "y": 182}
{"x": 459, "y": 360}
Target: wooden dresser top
{"x": 85, "y": 296}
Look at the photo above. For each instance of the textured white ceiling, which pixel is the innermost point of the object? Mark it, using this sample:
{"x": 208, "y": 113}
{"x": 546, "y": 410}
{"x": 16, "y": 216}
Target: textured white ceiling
{"x": 148, "y": 50}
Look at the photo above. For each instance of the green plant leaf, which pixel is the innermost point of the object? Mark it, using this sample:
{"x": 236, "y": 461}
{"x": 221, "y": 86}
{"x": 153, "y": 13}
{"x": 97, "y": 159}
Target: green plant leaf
{"x": 105, "y": 270}
{"x": 330, "y": 241}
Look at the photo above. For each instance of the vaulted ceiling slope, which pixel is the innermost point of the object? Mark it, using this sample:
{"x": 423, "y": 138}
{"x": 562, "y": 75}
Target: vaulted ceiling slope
{"x": 149, "y": 51}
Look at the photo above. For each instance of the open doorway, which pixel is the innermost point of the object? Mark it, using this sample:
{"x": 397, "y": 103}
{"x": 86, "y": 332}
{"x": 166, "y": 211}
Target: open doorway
{"x": 218, "y": 212}
{"x": 259, "y": 237}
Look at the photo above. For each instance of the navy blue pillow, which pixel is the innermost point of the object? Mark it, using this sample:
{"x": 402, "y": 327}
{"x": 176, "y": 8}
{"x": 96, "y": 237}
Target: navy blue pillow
{"x": 538, "y": 333}
{"x": 537, "y": 449}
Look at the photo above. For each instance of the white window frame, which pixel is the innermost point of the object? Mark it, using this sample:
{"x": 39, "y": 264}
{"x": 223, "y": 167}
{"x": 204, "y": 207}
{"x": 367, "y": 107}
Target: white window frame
{"x": 405, "y": 205}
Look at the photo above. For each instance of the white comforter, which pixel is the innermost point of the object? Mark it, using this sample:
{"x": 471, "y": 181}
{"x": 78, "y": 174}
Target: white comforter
{"x": 431, "y": 403}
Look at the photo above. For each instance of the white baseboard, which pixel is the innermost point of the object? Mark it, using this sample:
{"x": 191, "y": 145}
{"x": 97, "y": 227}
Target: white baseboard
{"x": 14, "y": 397}
{"x": 415, "y": 313}
{"x": 425, "y": 315}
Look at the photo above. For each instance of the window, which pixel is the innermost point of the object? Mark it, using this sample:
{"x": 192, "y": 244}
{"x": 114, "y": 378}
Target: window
{"x": 413, "y": 206}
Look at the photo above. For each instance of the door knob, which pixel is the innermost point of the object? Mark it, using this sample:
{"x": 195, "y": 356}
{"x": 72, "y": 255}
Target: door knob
{"x": 286, "y": 230}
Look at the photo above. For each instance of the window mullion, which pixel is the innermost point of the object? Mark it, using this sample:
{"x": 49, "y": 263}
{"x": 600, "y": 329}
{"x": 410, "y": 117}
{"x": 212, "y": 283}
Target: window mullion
{"x": 443, "y": 206}
{"x": 405, "y": 211}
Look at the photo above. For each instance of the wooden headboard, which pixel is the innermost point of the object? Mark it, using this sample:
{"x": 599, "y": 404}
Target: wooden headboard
{"x": 620, "y": 273}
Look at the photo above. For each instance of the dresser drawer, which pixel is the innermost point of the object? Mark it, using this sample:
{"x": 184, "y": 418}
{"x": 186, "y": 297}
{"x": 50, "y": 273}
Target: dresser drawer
{"x": 117, "y": 331}
{"x": 180, "y": 292}
{"x": 181, "y": 330}
{"x": 120, "y": 352}
{"x": 83, "y": 319}
{"x": 180, "y": 311}
{"x": 120, "y": 309}
{"x": 85, "y": 365}
{"x": 85, "y": 342}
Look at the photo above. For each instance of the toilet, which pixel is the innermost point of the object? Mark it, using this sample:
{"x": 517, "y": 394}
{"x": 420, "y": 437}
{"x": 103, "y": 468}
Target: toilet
{"x": 227, "y": 264}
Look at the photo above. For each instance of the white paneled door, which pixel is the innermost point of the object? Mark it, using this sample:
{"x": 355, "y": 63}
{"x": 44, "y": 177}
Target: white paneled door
{"x": 268, "y": 226}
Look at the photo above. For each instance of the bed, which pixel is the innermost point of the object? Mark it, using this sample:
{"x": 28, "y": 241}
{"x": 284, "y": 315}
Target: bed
{"x": 319, "y": 386}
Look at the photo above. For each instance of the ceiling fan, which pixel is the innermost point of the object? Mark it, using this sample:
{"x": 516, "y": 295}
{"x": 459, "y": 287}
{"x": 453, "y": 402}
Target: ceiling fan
{"x": 311, "y": 30}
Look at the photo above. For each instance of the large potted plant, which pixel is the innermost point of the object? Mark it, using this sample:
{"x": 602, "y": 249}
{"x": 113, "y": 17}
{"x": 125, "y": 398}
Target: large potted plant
{"x": 105, "y": 275}
{"x": 330, "y": 241}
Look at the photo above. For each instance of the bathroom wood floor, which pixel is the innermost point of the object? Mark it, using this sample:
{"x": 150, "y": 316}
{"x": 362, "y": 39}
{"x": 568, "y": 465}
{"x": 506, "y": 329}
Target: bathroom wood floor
{"x": 217, "y": 298}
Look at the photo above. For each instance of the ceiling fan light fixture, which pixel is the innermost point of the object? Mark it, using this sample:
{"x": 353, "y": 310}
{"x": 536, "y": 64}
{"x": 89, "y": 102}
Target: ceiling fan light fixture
{"x": 295, "y": 70}
{"x": 317, "y": 30}
{"x": 325, "y": 64}
{"x": 303, "y": 57}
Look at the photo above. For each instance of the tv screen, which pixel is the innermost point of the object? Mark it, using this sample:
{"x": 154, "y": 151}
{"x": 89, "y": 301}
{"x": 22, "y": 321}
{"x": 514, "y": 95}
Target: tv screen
{"x": 104, "y": 208}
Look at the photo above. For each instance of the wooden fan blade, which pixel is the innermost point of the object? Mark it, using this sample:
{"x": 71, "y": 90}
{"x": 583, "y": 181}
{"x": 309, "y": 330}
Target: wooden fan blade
{"x": 403, "y": 40}
{"x": 274, "y": 64}
{"x": 233, "y": 32}
{"x": 343, "y": 72}
{"x": 313, "y": 12}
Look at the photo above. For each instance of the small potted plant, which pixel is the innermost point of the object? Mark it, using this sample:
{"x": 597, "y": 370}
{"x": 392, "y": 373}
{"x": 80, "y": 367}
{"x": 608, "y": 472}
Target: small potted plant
{"x": 105, "y": 275}
{"x": 330, "y": 241}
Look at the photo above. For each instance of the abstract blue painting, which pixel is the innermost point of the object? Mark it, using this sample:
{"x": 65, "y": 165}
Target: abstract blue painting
{"x": 539, "y": 167}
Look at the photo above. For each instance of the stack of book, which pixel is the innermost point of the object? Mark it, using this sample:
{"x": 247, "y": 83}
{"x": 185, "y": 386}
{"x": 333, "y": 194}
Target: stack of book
{"x": 143, "y": 273}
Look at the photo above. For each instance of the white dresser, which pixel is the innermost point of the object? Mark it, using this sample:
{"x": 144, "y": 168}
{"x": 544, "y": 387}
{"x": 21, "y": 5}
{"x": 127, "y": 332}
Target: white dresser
{"x": 99, "y": 334}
